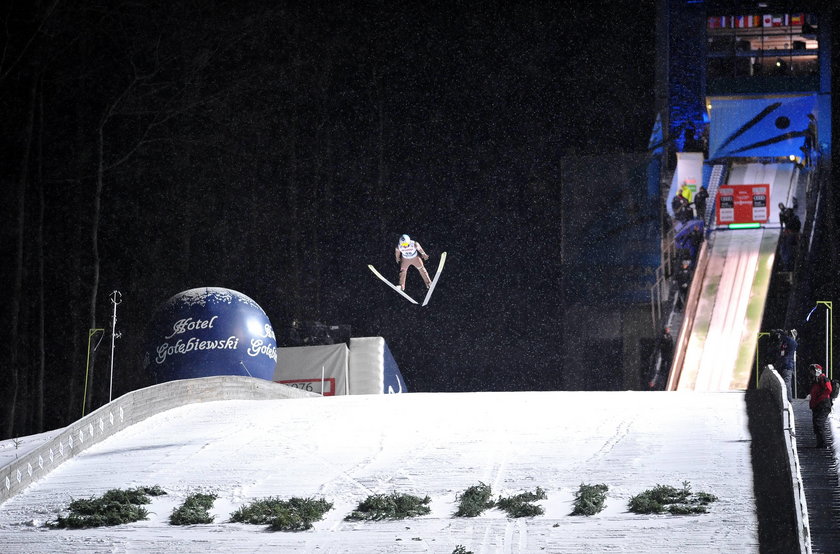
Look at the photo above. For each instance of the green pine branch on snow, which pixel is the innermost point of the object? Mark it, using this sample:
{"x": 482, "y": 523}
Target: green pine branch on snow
{"x": 522, "y": 505}
{"x": 194, "y": 510}
{"x": 115, "y": 507}
{"x": 390, "y": 506}
{"x": 590, "y": 499}
{"x": 474, "y": 500}
{"x": 664, "y": 498}
{"x": 294, "y": 514}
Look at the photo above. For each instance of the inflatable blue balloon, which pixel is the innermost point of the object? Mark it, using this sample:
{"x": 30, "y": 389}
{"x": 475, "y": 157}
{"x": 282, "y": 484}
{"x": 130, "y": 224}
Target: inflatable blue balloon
{"x": 210, "y": 331}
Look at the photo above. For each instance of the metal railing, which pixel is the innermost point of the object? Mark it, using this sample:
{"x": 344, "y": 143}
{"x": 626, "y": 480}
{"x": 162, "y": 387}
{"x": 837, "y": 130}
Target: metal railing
{"x": 660, "y": 290}
{"x": 690, "y": 310}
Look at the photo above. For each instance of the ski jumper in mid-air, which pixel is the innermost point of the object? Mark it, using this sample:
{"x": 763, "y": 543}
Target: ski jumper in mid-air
{"x": 408, "y": 252}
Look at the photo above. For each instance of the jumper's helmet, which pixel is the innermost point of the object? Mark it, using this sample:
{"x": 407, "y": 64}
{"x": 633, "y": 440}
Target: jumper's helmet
{"x": 404, "y": 240}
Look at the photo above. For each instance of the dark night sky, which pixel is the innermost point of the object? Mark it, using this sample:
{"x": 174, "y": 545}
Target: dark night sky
{"x": 277, "y": 150}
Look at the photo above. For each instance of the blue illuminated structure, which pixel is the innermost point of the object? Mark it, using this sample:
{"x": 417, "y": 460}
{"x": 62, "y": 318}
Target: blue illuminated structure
{"x": 715, "y": 50}
{"x": 681, "y": 76}
{"x": 761, "y": 127}
{"x": 210, "y": 331}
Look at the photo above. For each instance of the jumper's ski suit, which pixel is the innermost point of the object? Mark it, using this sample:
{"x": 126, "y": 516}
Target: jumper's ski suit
{"x": 408, "y": 253}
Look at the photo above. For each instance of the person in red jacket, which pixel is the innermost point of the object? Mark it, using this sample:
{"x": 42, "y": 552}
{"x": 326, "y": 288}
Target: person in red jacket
{"x": 820, "y": 403}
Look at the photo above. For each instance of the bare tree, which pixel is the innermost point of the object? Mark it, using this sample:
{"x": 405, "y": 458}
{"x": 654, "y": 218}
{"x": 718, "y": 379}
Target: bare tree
{"x": 42, "y": 351}
{"x": 13, "y": 341}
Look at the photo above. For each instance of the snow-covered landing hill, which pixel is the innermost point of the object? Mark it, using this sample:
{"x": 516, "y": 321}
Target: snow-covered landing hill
{"x": 346, "y": 448}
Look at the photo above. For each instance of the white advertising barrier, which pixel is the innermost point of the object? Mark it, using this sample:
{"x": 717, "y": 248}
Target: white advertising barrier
{"x": 373, "y": 369}
{"x": 127, "y": 410}
{"x": 318, "y": 369}
{"x": 367, "y": 367}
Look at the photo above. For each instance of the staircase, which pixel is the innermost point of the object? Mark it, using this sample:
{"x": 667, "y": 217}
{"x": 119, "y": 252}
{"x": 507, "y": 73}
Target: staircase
{"x": 820, "y": 481}
{"x": 715, "y": 180}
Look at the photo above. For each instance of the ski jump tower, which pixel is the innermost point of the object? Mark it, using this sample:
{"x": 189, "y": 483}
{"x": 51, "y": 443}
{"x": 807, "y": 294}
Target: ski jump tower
{"x": 714, "y": 50}
{"x": 745, "y": 88}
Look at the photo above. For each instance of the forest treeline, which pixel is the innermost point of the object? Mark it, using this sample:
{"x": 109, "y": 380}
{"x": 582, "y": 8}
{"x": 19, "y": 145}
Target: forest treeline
{"x": 155, "y": 146}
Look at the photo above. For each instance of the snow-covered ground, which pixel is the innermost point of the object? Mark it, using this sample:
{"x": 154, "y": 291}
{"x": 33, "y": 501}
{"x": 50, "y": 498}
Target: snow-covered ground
{"x": 346, "y": 448}
{"x": 11, "y": 449}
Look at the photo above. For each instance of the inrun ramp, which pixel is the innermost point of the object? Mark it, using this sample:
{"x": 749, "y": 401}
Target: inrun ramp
{"x": 718, "y": 338}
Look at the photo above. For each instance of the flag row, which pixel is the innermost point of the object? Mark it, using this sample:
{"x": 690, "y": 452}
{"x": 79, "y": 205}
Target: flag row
{"x": 768, "y": 20}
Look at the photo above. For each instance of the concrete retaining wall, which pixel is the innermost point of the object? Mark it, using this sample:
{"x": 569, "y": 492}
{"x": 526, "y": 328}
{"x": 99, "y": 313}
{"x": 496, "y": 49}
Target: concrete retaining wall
{"x": 772, "y": 381}
{"x": 128, "y": 410}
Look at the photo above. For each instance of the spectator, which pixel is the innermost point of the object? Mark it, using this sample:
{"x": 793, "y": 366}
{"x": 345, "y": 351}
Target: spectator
{"x": 679, "y": 205}
{"x": 700, "y": 202}
{"x": 786, "y": 357}
{"x": 810, "y": 139}
{"x": 676, "y": 206}
{"x": 683, "y": 279}
{"x": 665, "y": 347}
{"x": 695, "y": 239}
{"x": 820, "y": 403}
{"x": 791, "y": 225}
{"x": 787, "y": 215}
{"x": 685, "y": 192}
{"x": 783, "y": 214}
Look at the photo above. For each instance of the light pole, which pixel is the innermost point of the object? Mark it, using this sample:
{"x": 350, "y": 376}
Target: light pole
{"x": 829, "y": 334}
{"x": 116, "y": 299}
{"x": 91, "y": 333}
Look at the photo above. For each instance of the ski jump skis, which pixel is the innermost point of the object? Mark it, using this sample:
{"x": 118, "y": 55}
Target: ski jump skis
{"x": 402, "y": 292}
{"x": 390, "y": 284}
{"x": 435, "y": 280}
